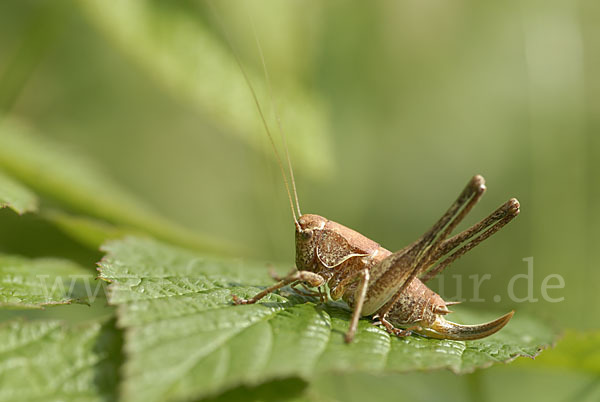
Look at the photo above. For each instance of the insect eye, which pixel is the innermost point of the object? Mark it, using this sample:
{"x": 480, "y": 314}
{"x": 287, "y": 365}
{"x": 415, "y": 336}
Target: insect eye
{"x": 307, "y": 234}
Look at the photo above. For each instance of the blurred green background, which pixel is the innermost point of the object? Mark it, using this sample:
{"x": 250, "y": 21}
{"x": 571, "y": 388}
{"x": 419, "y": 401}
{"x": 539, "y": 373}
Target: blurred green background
{"x": 389, "y": 107}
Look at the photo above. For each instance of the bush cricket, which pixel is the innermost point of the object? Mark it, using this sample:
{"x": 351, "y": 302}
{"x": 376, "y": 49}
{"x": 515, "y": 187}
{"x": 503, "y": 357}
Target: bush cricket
{"x": 373, "y": 281}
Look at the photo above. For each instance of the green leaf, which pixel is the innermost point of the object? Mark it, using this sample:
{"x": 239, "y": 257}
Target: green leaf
{"x": 77, "y": 184}
{"x": 16, "y": 196}
{"x": 577, "y": 351}
{"x": 35, "y": 283}
{"x": 175, "y": 46}
{"x": 47, "y": 361}
{"x": 87, "y": 231}
{"x": 185, "y": 339}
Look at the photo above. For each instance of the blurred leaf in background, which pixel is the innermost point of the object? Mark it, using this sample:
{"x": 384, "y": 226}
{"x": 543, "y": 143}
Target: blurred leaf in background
{"x": 15, "y": 196}
{"x": 174, "y": 42}
{"x": 76, "y": 184}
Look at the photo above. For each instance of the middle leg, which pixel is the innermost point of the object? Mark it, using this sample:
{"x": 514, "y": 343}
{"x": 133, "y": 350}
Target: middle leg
{"x": 358, "y": 304}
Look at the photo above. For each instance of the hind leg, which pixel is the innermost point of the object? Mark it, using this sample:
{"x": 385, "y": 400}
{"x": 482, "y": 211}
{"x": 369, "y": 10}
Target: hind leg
{"x": 484, "y": 229}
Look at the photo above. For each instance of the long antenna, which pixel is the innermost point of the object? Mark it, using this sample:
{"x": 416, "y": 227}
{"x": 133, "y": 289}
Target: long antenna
{"x": 275, "y": 112}
{"x": 260, "y": 112}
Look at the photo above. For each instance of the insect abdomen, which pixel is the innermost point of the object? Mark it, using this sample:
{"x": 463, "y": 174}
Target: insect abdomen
{"x": 417, "y": 303}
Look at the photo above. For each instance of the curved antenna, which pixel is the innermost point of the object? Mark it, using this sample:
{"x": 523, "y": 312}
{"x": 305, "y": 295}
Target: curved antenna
{"x": 260, "y": 112}
{"x": 275, "y": 112}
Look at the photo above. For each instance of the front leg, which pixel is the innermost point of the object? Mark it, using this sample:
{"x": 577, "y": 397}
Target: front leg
{"x": 309, "y": 292}
{"x": 320, "y": 293}
{"x": 312, "y": 279}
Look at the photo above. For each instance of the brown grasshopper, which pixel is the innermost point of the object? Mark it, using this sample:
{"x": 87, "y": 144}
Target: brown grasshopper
{"x": 372, "y": 280}
{"x": 375, "y": 281}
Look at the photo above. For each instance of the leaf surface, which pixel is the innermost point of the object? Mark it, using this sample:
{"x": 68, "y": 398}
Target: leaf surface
{"x": 577, "y": 351}
{"x": 185, "y": 339}
{"x": 35, "y": 283}
{"x": 48, "y": 361}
